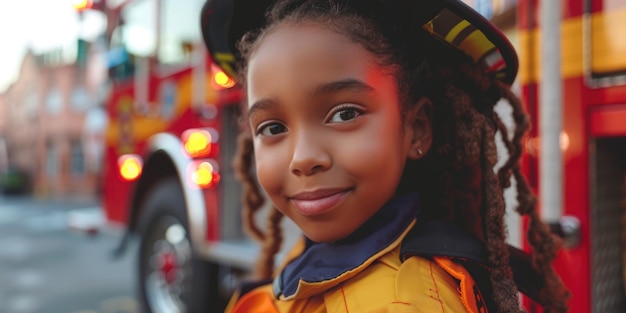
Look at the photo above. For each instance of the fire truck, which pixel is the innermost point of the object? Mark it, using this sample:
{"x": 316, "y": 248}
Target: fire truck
{"x": 593, "y": 141}
{"x": 173, "y": 121}
{"x": 167, "y": 175}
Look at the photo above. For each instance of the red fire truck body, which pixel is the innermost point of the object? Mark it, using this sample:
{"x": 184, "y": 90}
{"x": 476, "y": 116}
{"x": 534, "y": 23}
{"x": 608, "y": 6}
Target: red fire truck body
{"x": 593, "y": 142}
{"x": 173, "y": 122}
{"x": 174, "y": 119}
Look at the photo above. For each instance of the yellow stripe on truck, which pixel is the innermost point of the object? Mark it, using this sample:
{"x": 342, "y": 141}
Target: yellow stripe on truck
{"x": 608, "y": 47}
{"x": 608, "y": 41}
{"x": 571, "y": 52}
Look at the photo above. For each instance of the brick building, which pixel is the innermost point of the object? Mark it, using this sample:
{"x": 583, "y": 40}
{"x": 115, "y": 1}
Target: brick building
{"x": 44, "y": 125}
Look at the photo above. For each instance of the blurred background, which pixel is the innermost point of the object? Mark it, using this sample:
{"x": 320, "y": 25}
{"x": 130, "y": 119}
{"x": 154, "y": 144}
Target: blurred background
{"x": 52, "y": 100}
{"x": 117, "y": 131}
{"x": 52, "y": 120}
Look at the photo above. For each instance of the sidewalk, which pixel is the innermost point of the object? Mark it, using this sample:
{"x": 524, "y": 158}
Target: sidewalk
{"x": 70, "y": 201}
{"x": 81, "y": 214}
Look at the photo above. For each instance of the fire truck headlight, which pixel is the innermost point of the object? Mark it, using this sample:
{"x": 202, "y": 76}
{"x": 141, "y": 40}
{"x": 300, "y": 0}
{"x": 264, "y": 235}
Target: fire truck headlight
{"x": 202, "y": 174}
{"x": 130, "y": 166}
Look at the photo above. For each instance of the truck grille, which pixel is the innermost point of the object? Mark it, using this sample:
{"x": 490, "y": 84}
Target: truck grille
{"x": 608, "y": 254}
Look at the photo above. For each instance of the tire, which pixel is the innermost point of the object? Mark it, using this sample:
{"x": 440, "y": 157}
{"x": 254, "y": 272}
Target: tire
{"x": 172, "y": 278}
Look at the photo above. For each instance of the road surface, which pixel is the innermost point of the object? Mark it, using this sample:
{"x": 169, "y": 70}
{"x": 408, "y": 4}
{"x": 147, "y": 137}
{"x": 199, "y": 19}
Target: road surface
{"x": 47, "y": 268}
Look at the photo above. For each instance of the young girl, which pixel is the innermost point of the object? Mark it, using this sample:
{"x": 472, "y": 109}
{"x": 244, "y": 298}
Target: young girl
{"x": 371, "y": 125}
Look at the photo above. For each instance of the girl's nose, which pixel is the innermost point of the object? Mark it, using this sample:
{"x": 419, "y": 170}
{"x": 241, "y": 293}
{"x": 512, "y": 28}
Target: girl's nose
{"x": 309, "y": 156}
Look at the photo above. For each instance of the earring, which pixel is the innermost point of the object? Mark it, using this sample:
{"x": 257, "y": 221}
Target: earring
{"x": 419, "y": 151}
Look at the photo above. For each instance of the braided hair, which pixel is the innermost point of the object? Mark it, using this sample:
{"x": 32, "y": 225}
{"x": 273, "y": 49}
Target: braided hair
{"x": 456, "y": 178}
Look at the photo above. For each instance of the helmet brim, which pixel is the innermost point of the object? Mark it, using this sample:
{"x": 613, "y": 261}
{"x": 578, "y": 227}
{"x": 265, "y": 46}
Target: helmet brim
{"x": 224, "y": 22}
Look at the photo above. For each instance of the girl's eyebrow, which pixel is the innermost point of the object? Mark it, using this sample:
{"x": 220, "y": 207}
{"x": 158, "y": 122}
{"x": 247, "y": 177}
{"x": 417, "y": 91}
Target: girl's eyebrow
{"x": 348, "y": 84}
{"x": 261, "y": 105}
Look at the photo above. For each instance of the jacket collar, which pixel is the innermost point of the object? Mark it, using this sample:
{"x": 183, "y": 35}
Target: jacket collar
{"x": 324, "y": 265}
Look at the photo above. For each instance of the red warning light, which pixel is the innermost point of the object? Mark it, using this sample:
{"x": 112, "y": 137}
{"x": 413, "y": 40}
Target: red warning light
{"x": 130, "y": 166}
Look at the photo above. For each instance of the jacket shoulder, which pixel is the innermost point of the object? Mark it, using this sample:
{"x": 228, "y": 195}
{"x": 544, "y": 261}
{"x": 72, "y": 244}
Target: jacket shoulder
{"x": 426, "y": 285}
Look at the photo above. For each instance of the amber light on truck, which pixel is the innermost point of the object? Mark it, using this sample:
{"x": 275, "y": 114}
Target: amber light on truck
{"x": 219, "y": 79}
{"x": 81, "y": 5}
{"x": 130, "y": 166}
{"x": 202, "y": 174}
{"x": 222, "y": 80}
{"x": 200, "y": 143}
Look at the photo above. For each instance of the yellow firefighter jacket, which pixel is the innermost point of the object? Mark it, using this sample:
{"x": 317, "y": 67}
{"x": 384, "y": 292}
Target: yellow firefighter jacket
{"x": 343, "y": 279}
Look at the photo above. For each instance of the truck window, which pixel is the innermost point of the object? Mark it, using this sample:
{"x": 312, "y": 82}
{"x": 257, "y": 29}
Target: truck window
{"x": 139, "y": 28}
{"x": 134, "y": 36}
{"x": 178, "y": 36}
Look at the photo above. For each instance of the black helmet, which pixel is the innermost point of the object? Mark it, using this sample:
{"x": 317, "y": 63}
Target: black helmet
{"x": 224, "y": 22}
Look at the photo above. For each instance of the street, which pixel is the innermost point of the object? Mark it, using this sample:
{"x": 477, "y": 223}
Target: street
{"x": 46, "y": 268}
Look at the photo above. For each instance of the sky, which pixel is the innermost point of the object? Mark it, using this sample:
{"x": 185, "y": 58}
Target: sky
{"x": 36, "y": 24}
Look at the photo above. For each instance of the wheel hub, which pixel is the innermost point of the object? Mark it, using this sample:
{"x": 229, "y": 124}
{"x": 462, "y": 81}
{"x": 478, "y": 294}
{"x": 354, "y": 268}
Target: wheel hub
{"x": 168, "y": 269}
{"x": 168, "y": 266}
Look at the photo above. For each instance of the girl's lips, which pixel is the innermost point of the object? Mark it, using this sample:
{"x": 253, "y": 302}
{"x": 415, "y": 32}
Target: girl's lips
{"x": 318, "y": 202}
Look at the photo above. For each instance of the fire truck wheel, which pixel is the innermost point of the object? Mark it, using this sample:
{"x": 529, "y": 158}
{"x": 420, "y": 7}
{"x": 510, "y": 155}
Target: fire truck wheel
{"x": 172, "y": 278}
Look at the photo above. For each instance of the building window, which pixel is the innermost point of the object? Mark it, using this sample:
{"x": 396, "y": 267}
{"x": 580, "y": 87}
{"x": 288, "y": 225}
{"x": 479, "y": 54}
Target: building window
{"x": 81, "y": 100}
{"x": 52, "y": 160}
{"x": 77, "y": 159}
{"x": 30, "y": 104}
{"x": 54, "y": 101}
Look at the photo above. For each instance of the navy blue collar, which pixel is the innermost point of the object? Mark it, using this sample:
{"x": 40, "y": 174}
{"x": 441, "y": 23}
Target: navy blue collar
{"x": 326, "y": 261}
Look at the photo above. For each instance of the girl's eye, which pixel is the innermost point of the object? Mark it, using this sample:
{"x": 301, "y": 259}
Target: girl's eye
{"x": 344, "y": 114}
{"x": 271, "y": 129}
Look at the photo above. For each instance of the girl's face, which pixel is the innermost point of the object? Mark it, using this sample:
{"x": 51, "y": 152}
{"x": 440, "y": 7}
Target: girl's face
{"x": 329, "y": 139}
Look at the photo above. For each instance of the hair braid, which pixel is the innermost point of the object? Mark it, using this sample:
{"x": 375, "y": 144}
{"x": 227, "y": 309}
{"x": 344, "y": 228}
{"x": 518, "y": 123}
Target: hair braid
{"x": 504, "y": 288}
{"x": 253, "y": 200}
{"x": 545, "y": 245}
{"x": 505, "y": 172}
{"x": 271, "y": 244}
{"x": 554, "y": 294}
{"x": 464, "y": 154}
{"x": 513, "y": 145}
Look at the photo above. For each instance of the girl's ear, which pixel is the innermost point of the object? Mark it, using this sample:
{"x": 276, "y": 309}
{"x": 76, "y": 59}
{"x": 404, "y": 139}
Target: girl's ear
{"x": 419, "y": 127}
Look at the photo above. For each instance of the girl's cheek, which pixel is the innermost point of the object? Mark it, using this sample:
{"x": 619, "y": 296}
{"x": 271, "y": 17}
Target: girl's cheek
{"x": 261, "y": 167}
{"x": 268, "y": 168}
